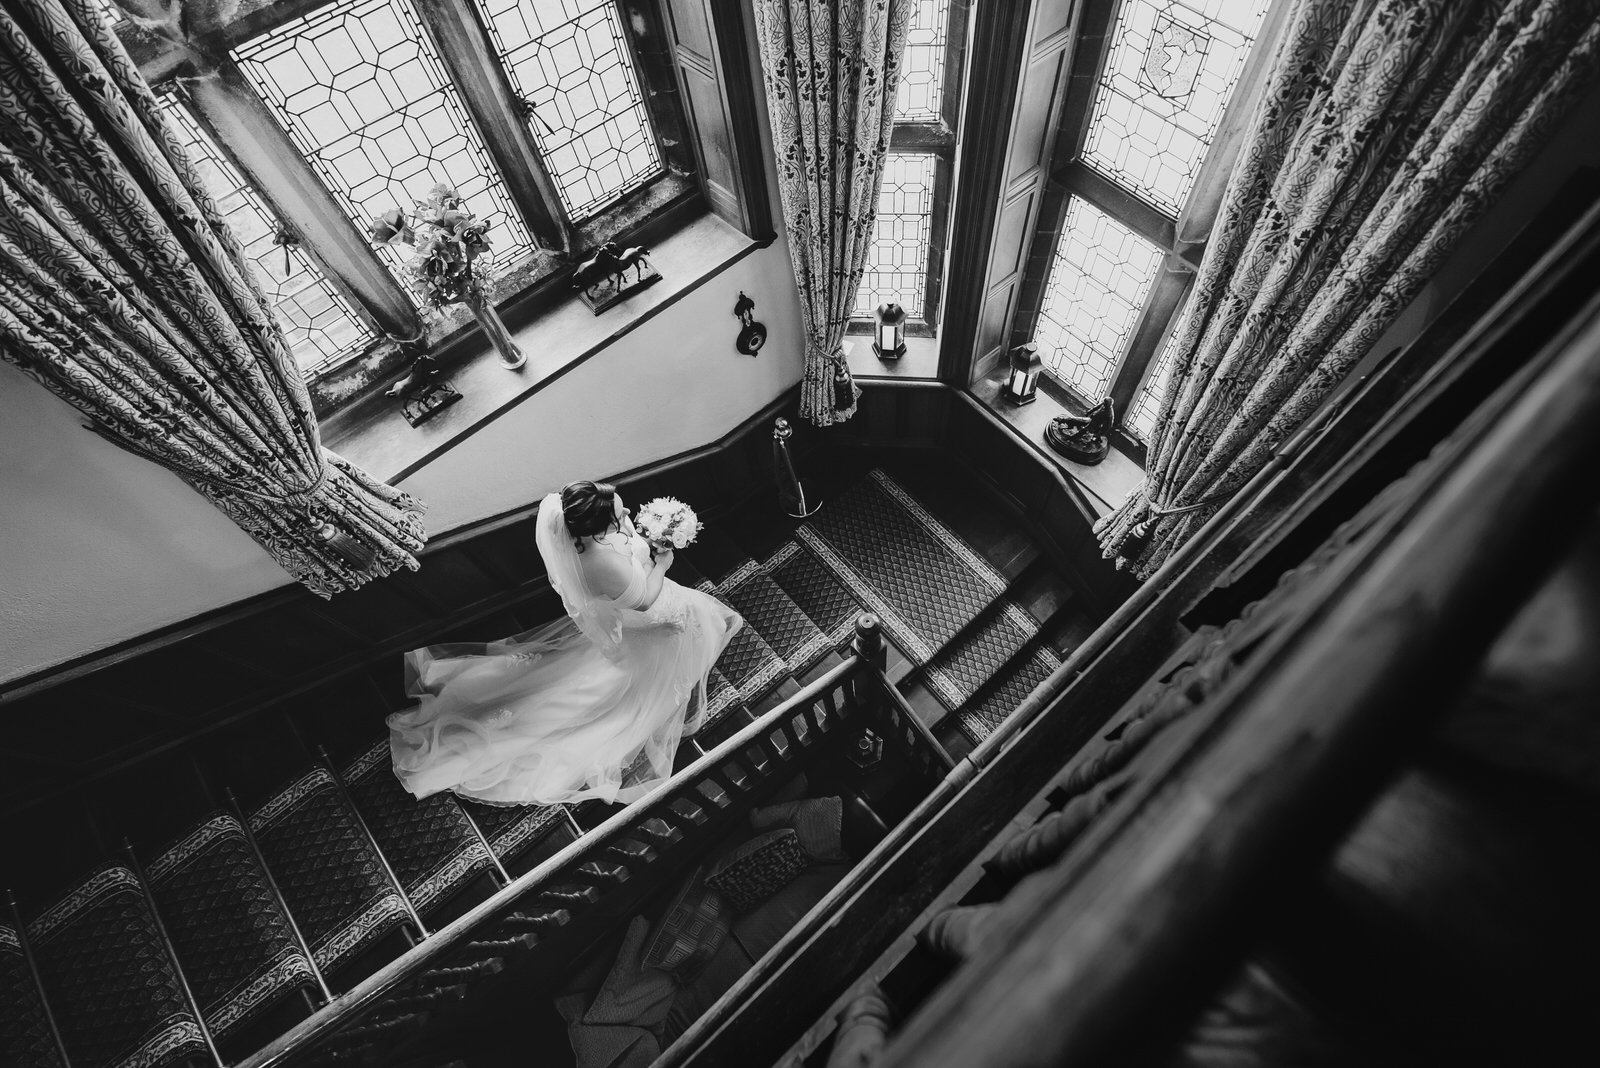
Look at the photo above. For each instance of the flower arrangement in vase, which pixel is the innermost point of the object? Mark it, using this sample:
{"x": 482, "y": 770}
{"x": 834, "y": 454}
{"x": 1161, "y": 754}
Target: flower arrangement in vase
{"x": 447, "y": 243}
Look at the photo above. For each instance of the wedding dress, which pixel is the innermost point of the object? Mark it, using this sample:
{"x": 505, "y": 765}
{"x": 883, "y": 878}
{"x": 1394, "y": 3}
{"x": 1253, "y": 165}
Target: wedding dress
{"x": 592, "y": 706}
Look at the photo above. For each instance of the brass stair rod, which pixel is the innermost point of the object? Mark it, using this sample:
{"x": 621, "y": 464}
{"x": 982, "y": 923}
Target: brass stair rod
{"x": 172, "y": 952}
{"x": 349, "y": 802}
{"x": 38, "y": 981}
{"x": 272, "y": 884}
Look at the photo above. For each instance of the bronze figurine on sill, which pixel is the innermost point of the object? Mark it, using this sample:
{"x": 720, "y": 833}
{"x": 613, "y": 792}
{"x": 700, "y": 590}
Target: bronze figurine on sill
{"x": 1083, "y": 439}
{"x": 421, "y": 391}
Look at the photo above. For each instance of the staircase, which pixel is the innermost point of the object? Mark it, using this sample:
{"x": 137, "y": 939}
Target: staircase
{"x": 242, "y": 884}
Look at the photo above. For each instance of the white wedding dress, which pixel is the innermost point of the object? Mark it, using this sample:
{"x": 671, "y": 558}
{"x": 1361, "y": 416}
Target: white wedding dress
{"x": 588, "y": 707}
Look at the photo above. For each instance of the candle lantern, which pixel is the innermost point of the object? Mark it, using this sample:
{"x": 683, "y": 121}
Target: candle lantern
{"x": 890, "y": 343}
{"x": 1022, "y": 381}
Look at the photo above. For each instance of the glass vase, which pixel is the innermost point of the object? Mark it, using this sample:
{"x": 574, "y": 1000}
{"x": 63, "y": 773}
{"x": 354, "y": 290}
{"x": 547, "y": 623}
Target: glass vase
{"x": 511, "y": 356}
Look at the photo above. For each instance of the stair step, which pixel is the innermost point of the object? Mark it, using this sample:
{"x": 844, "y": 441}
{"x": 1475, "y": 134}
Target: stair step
{"x": 978, "y": 719}
{"x": 430, "y": 844}
{"x": 511, "y": 829}
{"x": 786, "y": 629}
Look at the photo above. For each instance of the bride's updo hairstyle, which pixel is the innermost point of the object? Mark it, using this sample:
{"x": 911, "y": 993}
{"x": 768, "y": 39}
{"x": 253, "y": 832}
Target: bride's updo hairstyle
{"x": 589, "y": 508}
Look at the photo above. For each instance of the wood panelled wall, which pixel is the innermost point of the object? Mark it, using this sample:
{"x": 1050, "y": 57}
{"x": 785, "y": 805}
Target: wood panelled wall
{"x": 68, "y": 724}
{"x": 64, "y": 726}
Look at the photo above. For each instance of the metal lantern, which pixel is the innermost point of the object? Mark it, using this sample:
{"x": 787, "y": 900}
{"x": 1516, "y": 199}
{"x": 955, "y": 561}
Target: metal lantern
{"x": 1022, "y": 381}
{"x": 890, "y": 342}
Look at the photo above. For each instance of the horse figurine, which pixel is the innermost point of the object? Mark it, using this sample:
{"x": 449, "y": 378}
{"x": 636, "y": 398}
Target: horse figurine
{"x": 632, "y": 257}
{"x": 596, "y": 269}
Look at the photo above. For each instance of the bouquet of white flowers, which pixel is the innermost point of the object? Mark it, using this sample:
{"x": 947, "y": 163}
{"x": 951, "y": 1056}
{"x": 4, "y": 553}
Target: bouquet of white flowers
{"x": 667, "y": 523}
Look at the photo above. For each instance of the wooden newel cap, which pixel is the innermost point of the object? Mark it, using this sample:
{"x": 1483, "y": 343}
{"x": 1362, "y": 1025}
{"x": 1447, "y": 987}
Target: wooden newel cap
{"x": 868, "y": 628}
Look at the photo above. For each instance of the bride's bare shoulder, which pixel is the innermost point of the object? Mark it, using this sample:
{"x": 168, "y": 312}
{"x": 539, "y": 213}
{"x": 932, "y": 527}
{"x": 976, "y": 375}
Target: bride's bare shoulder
{"x": 607, "y": 572}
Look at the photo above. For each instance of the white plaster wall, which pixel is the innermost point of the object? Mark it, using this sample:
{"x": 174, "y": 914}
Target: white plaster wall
{"x": 98, "y": 546}
{"x": 674, "y": 384}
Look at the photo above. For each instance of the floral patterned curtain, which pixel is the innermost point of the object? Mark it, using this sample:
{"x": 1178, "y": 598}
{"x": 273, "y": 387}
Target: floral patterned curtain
{"x": 1387, "y": 128}
{"x": 832, "y": 70}
{"x": 124, "y": 293}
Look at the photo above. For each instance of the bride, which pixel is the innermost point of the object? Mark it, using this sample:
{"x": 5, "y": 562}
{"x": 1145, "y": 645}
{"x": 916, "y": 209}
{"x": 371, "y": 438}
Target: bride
{"x": 588, "y": 707}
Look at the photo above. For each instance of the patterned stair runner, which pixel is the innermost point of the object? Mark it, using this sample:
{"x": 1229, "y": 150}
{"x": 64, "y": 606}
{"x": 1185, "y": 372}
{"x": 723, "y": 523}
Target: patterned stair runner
{"x": 964, "y": 666}
{"x": 924, "y": 583}
{"x": 979, "y": 718}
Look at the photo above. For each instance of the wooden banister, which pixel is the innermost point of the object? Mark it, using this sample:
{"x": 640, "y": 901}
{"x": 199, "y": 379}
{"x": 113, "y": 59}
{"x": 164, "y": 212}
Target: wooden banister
{"x": 347, "y": 1009}
{"x": 1288, "y": 752}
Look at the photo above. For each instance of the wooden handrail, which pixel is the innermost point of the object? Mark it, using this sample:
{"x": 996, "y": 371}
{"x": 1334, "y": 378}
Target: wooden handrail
{"x": 998, "y": 779}
{"x": 347, "y": 1008}
{"x": 1290, "y": 750}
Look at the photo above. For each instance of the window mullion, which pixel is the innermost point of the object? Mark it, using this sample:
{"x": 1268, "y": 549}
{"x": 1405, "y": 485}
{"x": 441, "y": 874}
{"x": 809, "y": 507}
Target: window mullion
{"x": 249, "y": 132}
{"x": 500, "y": 117}
{"x": 1166, "y": 293}
{"x": 1144, "y": 219}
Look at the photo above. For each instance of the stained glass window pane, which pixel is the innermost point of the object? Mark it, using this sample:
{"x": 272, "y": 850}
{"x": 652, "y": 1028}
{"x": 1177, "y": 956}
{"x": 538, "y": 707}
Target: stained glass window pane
{"x": 318, "y": 323}
{"x": 1172, "y": 67}
{"x": 360, "y": 89}
{"x": 1147, "y": 405}
{"x": 921, "y": 95}
{"x": 568, "y": 60}
{"x": 1098, "y": 282}
{"x": 897, "y": 263}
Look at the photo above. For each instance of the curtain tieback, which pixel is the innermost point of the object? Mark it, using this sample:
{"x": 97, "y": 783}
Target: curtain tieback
{"x": 1158, "y": 512}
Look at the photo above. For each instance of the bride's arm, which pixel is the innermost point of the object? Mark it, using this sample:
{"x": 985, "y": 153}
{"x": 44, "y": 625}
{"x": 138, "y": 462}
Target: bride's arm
{"x": 657, "y": 576}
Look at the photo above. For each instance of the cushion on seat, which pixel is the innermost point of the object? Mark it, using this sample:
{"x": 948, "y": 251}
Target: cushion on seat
{"x": 816, "y": 821}
{"x": 329, "y": 875}
{"x": 231, "y": 937}
{"x": 632, "y": 993}
{"x": 690, "y": 931}
{"x": 111, "y": 987}
{"x": 759, "y": 868}
{"x": 430, "y": 843}
{"x": 759, "y": 929}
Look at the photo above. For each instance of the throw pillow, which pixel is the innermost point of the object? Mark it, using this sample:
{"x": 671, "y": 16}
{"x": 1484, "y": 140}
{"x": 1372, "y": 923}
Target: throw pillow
{"x": 759, "y": 868}
{"x": 690, "y": 931}
{"x": 633, "y": 994}
{"x": 815, "y": 820}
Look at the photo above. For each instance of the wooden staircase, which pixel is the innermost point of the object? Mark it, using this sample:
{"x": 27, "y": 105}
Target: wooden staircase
{"x": 294, "y": 905}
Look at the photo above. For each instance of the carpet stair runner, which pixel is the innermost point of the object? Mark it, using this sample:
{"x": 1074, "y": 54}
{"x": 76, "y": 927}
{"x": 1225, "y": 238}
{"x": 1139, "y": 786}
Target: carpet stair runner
{"x": 875, "y": 548}
{"x": 337, "y": 860}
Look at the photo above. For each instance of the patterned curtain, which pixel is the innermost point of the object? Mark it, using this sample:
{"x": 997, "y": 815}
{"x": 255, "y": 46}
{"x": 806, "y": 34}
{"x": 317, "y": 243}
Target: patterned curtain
{"x": 832, "y": 70}
{"x": 124, "y": 293}
{"x": 1387, "y": 128}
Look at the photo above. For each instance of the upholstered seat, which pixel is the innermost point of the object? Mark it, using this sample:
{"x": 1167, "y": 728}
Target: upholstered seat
{"x": 116, "y": 998}
{"x": 430, "y": 843}
{"x": 330, "y": 876}
{"x": 232, "y": 938}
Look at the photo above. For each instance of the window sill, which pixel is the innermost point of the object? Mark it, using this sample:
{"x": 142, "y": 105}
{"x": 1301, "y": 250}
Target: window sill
{"x": 1106, "y": 484}
{"x": 921, "y": 360}
{"x": 373, "y": 434}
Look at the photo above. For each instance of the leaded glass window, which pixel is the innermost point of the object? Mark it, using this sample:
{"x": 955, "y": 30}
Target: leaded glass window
{"x": 1098, "y": 282}
{"x": 1141, "y": 418}
{"x": 897, "y": 263}
{"x": 569, "y": 62}
{"x": 361, "y": 91}
{"x": 921, "y": 94}
{"x": 1166, "y": 82}
{"x": 318, "y": 323}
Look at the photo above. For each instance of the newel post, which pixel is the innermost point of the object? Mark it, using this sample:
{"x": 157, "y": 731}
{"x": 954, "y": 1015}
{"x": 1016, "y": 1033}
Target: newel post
{"x": 869, "y": 646}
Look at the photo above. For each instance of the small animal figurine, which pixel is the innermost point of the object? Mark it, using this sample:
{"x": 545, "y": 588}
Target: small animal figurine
{"x": 634, "y": 257}
{"x": 603, "y": 265}
{"x": 424, "y": 369}
{"x": 1083, "y": 439}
